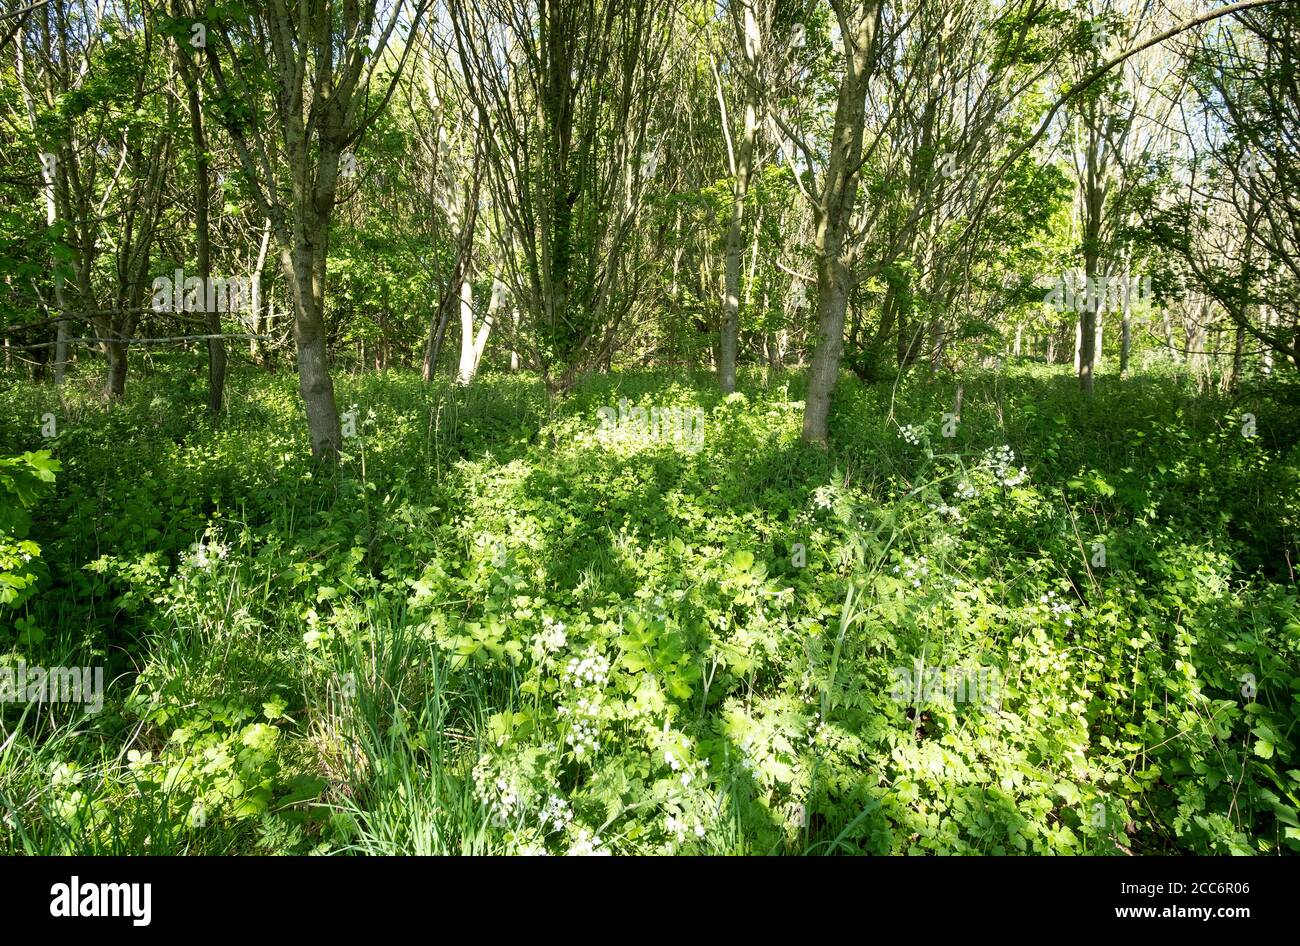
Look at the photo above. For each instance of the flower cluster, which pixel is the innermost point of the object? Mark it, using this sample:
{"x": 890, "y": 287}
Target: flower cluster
{"x": 584, "y": 727}
{"x": 688, "y": 771}
{"x": 501, "y": 793}
{"x": 943, "y": 509}
{"x": 678, "y": 827}
{"x": 913, "y": 571}
{"x": 910, "y": 434}
{"x": 591, "y": 670}
{"x": 823, "y": 497}
{"x": 202, "y": 555}
{"x": 1001, "y": 461}
{"x": 1057, "y": 607}
{"x": 966, "y": 491}
{"x": 550, "y": 639}
{"x": 587, "y": 845}
{"x": 817, "y": 729}
{"x": 586, "y": 676}
{"x": 556, "y": 812}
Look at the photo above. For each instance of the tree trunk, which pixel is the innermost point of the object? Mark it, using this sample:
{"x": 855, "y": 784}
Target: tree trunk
{"x": 1266, "y": 313}
{"x": 115, "y": 383}
{"x": 1126, "y": 326}
{"x": 258, "y": 326}
{"x": 1239, "y": 342}
{"x": 773, "y": 355}
{"x": 212, "y": 317}
{"x": 1238, "y": 354}
{"x": 730, "y": 340}
{"x": 514, "y": 347}
{"x": 471, "y": 343}
{"x": 314, "y": 382}
{"x": 1126, "y": 341}
{"x": 61, "y": 339}
{"x": 461, "y": 269}
{"x": 1094, "y": 200}
{"x": 831, "y": 216}
{"x": 1088, "y": 333}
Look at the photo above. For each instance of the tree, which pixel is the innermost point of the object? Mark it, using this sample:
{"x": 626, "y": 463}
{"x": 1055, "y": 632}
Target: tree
{"x": 564, "y": 92}
{"x": 293, "y": 90}
{"x": 1238, "y": 229}
{"x": 752, "y": 22}
{"x": 202, "y": 230}
{"x": 833, "y": 207}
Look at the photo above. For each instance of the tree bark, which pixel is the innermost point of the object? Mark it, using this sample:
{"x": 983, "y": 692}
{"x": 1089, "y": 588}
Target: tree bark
{"x": 832, "y": 214}
{"x": 461, "y": 269}
{"x": 259, "y": 326}
{"x": 115, "y": 382}
{"x": 747, "y": 27}
{"x": 314, "y": 382}
{"x": 212, "y": 317}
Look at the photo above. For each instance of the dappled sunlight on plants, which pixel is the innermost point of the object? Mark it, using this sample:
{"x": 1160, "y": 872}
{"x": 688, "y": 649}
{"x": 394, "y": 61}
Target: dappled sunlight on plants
{"x": 474, "y": 637}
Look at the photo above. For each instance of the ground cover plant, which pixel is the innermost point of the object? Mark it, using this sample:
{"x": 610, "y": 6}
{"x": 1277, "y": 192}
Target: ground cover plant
{"x": 491, "y": 630}
{"x": 649, "y": 427}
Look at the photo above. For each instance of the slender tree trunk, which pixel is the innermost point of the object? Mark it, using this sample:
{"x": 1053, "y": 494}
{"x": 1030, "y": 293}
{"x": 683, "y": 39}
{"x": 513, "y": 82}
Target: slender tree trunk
{"x": 831, "y": 216}
{"x": 212, "y": 317}
{"x": 1266, "y": 316}
{"x": 314, "y": 382}
{"x": 473, "y": 343}
{"x": 466, "y": 372}
{"x": 1087, "y": 342}
{"x": 60, "y": 338}
{"x": 1238, "y": 355}
{"x": 1094, "y": 199}
{"x": 514, "y": 349}
{"x": 460, "y": 273}
{"x": 1239, "y": 343}
{"x": 259, "y": 327}
{"x": 437, "y": 332}
{"x": 1097, "y": 349}
{"x": 1126, "y": 325}
{"x": 115, "y": 383}
{"x": 729, "y": 344}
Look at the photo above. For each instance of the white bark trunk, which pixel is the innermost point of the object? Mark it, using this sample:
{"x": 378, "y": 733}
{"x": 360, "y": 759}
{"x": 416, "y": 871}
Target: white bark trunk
{"x": 473, "y": 343}
{"x": 1266, "y": 313}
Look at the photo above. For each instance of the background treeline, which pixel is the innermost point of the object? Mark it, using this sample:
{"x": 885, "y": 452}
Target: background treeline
{"x": 565, "y": 186}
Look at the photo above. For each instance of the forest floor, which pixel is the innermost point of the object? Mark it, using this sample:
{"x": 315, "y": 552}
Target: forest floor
{"x": 1070, "y": 627}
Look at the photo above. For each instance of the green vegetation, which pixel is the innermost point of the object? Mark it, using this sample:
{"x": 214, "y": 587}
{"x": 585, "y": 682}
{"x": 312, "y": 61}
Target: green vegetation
{"x": 626, "y": 427}
{"x": 489, "y": 630}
